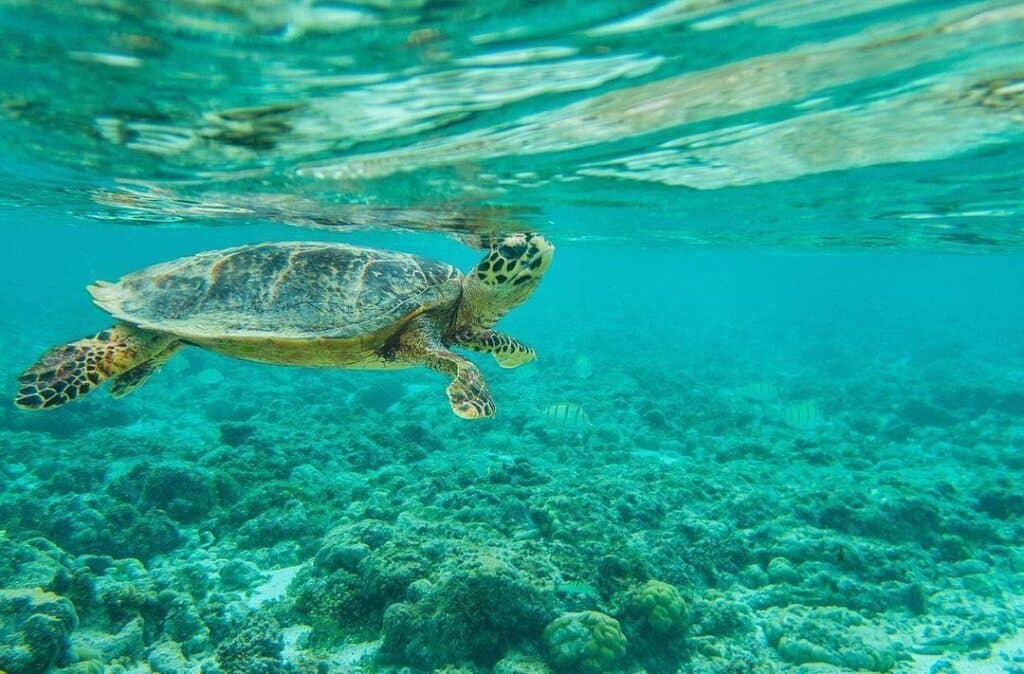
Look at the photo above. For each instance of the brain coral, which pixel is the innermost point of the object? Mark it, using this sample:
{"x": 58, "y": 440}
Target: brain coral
{"x": 660, "y": 606}
{"x": 588, "y": 642}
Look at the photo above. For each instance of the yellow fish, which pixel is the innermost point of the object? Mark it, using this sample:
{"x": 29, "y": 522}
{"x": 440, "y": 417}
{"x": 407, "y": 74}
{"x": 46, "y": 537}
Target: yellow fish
{"x": 568, "y": 416}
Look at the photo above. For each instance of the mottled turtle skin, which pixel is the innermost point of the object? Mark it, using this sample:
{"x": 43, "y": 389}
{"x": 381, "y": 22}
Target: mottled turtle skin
{"x": 303, "y": 303}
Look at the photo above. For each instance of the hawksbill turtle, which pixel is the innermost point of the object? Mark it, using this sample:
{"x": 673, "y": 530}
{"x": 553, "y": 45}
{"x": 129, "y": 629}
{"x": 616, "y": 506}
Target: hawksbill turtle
{"x": 303, "y": 303}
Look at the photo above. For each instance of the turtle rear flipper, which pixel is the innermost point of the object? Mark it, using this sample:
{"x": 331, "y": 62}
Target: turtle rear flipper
{"x": 127, "y": 382}
{"x": 72, "y": 370}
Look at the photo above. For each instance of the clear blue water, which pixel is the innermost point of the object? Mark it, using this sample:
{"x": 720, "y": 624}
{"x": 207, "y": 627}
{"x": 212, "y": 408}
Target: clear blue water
{"x": 776, "y": 419}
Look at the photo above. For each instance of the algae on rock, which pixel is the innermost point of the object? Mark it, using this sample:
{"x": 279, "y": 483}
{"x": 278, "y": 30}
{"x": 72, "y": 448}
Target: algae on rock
{"x": 34, "y": 630}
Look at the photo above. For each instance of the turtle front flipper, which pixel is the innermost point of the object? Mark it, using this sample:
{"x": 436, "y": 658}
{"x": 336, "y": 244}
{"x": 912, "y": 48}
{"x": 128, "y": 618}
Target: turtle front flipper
{"x": 134, "y": 378}
{"x": 72, "y": 370}
{"x": 468, "y": 392}
{"x": 508, "y": 351}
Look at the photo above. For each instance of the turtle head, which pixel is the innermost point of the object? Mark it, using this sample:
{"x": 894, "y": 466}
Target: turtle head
{"x": 504, "y": 279}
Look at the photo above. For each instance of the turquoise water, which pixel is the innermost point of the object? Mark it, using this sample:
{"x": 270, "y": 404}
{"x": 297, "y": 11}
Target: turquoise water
{"x": 776, "y": 417}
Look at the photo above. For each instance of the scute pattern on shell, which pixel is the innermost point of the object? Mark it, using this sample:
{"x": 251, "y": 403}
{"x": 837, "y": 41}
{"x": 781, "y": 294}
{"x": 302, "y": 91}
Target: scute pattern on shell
{"x": 280, "y": 290}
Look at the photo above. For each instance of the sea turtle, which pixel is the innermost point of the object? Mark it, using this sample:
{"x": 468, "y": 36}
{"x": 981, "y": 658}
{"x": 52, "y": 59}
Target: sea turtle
{"x": 303, "y": 303}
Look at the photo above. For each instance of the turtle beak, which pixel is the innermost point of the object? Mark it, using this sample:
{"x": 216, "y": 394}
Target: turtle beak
{"x": 544, "y": 251}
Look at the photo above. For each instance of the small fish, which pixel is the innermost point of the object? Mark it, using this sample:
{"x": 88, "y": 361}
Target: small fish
{"x": 568, "y": 416}
{"x": 803, "y": 415}
{"x": 760, "y": 391}
{"x": 423, "y": 36}
{"x": 583, "y": 368}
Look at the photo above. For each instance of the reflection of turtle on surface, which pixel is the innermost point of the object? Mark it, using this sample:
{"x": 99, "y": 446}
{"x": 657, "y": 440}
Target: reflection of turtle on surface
{"x": 314, "y": 304}
{"x": 474, "y": 225}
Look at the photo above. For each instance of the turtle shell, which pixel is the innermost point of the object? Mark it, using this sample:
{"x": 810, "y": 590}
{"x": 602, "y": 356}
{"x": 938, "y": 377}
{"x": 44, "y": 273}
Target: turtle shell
{"x": 281, "y": 290}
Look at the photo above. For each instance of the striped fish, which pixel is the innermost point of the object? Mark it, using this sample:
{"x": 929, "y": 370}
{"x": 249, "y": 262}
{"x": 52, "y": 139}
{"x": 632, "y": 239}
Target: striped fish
{"x": 803, "y": 415}
{"x": 759, "y": 391}
{"x": 567, "y": 416}
{"x": 583, "y": 368}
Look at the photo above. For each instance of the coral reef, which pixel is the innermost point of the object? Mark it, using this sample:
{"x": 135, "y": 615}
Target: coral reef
{"x": 659, "y": 608}
{"x": 588, "y": 642}
{"x": 34, "y": 630}
{"x": 474, "y": 611}
{"x": 656, "y": 620}
{"x": 254, "y": 649}
{"x": 695, "y": 537}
